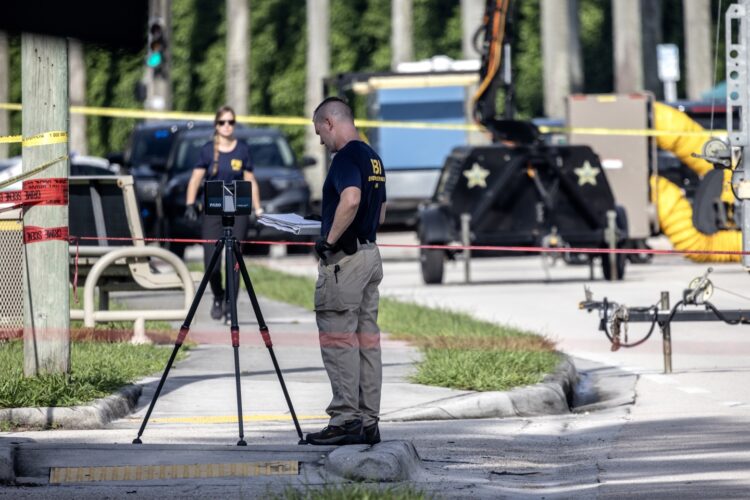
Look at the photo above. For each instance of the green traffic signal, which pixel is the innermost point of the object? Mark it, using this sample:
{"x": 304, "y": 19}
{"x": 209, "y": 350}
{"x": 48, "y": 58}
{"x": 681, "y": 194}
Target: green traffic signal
{"x": 154, "y": 59}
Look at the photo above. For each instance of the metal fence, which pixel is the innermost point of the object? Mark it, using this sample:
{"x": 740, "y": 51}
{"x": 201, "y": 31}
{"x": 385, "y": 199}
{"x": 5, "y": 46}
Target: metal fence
{"x": 11, "y": 275}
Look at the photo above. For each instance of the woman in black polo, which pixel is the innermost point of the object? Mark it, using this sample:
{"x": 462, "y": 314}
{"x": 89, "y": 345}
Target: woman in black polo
{"x": 227, "y": 159}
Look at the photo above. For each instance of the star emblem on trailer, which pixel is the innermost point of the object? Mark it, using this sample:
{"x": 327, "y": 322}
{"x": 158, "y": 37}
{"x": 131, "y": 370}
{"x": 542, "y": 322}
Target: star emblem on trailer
{"x": 476, "y": 176}
{"x": 587, "y": 174}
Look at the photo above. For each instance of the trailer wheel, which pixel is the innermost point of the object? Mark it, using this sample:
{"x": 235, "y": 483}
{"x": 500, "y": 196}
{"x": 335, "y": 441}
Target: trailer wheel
{"x": 432, "y": 265}
{"x": 620, "y": 260}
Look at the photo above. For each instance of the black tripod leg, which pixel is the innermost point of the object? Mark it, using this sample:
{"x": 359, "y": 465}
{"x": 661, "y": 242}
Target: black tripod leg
{"x": 181, "y": 336}
{"x": 266, "y": 337}
{"x": 235, "y": 329}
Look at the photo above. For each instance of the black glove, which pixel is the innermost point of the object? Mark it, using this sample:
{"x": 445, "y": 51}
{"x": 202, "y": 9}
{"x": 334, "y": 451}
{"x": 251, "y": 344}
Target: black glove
{"x": 322, "y": 247}
{"x": 191, "y": 212}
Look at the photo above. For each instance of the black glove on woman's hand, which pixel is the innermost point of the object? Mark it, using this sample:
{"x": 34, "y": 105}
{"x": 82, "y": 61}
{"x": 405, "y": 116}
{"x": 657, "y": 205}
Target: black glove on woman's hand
{"x": 191, "y": 212}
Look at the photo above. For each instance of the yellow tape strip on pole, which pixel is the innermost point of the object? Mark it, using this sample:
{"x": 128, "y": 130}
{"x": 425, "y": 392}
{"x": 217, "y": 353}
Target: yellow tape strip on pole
{"x": 32, "y": 172}
{"x": 301, "y": 121}
{"x": 45, "y": 138}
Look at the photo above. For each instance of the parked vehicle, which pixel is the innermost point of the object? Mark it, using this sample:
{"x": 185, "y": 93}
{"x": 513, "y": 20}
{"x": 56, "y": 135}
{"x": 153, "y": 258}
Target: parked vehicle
{"x": 145, "y": 158}
{"x": 282, "y": 185}
{"x": 80, "y": 165}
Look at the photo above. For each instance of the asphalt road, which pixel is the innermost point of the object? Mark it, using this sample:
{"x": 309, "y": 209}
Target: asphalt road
{"x": 685, "y": 436}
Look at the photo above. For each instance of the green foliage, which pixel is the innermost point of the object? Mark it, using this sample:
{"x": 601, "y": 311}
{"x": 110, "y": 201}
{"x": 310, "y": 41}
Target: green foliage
{"x": 359, "y": 40}
{"x": 527, "y": 67}
{"x": 97, "y": 370}
{"x": 437, "y": 28}
{"x": 595, "y": 19}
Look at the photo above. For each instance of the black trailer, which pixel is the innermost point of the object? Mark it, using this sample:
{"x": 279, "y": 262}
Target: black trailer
{"x": 522, "y": 194}
{"x": 518, "y": 191}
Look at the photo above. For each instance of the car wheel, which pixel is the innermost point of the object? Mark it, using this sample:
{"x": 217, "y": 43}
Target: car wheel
{"x": 432, "y": 265}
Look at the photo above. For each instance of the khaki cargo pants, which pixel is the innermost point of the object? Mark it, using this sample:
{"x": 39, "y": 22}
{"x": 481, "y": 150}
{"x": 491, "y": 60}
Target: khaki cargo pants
{"x": 346, "y": 310}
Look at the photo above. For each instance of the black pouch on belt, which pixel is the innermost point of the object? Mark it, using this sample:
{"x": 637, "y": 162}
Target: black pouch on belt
{"x": 348, "y": 242}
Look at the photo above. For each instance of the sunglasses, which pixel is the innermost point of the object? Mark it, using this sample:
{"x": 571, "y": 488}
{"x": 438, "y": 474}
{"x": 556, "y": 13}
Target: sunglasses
{"x": 225, "y": 122}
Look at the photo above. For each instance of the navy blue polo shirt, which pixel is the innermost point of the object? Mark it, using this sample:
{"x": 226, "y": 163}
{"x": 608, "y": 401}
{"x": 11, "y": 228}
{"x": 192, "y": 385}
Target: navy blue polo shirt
{"x": 357, "y": 165}
{"x": 232, "y": 165}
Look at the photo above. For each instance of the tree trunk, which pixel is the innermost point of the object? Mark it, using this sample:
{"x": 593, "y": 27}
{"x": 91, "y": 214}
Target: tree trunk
{"x": 626, "y": 25}
{"x": 4, "y": 90}
{"x": 561, "y": 51}
{"x": 698, "y": 63}
{"x": 402, "y": 43}
{"x": 77, "y": 69}
{"x": 471, "y": 18}
{"x": 318, "y": 67}
{"x": 238, "y": 50}
{"x": 44, "y": 76}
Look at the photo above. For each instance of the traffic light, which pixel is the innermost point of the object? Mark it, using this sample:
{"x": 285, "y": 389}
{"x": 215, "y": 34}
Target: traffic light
{"x": 157, "y": 46}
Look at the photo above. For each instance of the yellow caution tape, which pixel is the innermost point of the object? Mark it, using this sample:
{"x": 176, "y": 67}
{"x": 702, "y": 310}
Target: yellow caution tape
{"x": 300, "y": 121}
{"x": 45, "y": 138}
{"x": 32, "y": 172}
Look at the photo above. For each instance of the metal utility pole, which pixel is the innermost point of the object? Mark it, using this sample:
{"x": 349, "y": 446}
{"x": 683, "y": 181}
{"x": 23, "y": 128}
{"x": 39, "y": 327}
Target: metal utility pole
{"x": 738, "y": 99}
{"x": 651, "y": 12}
{"x": 318, "y": 67}
{"x": 626, "y": 25}
{"x": 44, "y": 77}
{"x": 77, "y": 67}
{"x": 402, "y": 40}
{"x": 4, "y": 90}
{"x": 561, "y": 51}
{"x": 698, "y": 61}
{"x": 471, "y": 18}
{"x": 238, "y": 52}
{"x": 158, "y": 80}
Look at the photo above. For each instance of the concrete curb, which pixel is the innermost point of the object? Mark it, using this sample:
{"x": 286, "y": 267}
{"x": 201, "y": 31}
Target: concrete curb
{"x": 551, "y": 396}
{"x": 388, "y": 461}
{"x": 94, "y": 416}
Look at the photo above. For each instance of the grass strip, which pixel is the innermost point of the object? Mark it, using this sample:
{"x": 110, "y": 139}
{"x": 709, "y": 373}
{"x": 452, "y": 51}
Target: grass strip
{"x": 460, "y": 351}
{"x": 114, "y": 305}
{"x": 97, "y": 370}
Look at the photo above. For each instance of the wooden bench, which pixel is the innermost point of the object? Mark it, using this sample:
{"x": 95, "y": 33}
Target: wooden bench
{"x": 105, "y": 207}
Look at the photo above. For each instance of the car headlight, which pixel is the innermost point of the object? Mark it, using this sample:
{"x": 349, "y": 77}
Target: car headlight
{"x": 283, "y": 183}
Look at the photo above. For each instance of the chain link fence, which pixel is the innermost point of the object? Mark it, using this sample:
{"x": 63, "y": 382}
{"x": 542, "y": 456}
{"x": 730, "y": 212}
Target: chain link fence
{"x": 11, "y": 275}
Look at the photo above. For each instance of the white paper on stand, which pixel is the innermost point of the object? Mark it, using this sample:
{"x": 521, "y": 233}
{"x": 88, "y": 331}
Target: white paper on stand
{"x": 291, "y": 223}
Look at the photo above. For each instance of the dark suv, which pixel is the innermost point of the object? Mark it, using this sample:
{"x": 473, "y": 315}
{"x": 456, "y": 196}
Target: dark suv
{"x": 282, "y": 185}
{"x": 145, "y": 158}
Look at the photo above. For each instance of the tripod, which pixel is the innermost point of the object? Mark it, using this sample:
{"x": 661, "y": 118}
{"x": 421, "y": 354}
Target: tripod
{"x": 231, "y": 246}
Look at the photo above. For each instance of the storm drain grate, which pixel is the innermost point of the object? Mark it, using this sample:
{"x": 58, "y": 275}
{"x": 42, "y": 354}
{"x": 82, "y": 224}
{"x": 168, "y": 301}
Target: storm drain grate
{"x": 59, "y": 475}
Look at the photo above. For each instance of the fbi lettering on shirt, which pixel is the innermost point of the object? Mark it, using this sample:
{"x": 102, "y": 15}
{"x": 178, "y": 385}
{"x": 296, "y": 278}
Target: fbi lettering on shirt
{"x": 377, "y": 172}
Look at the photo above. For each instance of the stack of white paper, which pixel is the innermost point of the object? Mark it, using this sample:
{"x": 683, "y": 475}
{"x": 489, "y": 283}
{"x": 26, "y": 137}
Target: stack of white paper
{"x": 291, "y": 223}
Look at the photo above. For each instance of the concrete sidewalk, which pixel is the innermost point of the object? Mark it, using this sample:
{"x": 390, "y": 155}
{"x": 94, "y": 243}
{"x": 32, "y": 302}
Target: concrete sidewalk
{"x": 201, "y": 388}
{"x": 197, "y": 406}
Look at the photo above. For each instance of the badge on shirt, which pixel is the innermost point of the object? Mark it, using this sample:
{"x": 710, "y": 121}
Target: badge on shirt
{"x": 236, "y": 164}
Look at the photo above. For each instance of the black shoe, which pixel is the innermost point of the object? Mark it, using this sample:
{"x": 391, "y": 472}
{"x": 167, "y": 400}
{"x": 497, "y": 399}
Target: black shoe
{"x": 349, "y": 433}
{"x": 217, "y": 309}
{"x": 372, "y": 434}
